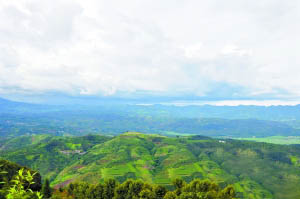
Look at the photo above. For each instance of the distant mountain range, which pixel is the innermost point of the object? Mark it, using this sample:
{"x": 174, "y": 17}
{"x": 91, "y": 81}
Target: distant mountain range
{"x": 7, "y": 103}
{"x": 244, "y": 121}
{"x": 277, "y": 113}
{"x": 7, "y": 106}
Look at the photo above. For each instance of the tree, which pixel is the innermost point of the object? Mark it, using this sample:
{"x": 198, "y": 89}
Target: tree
{"x": 46, "y": 190}
{"x": 227, "y": 193}
{"x": 160, "y": 191}
{"x": 200, "y": 186}
{"x": 137, "y": 189}
{"x": 70, "y": 189}
{"x": 170, "y": 195}
{"x": 129, "y": 189}
{"x": 95, "y": 191}
{"x": 109, "y": 188}
{"x": 199, "y": 189}
{"x": 80, "y": 190}
{"x": 178, "y": 184}
{"x": 147, "y": 194}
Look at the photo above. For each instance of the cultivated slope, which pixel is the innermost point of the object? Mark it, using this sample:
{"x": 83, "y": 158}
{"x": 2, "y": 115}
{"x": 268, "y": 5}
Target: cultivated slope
{"x": 257, "y": 170}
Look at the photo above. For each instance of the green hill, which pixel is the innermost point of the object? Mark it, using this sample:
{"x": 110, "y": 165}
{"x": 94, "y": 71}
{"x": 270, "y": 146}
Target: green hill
{"x": 49, "y": 155}
{"x": 257, "y": 170}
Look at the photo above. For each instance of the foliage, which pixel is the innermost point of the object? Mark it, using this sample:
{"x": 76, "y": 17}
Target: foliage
{"x": 50, "y": 155}
{"x": 18, "y": 182}
{"x": 157, "y": 159}
{"x": 276, "y": 139}
{"x": 46, "y": 189}
{"x": 137, "y": 189}
{"x": 21, "y": 186}
{"x": 8, "y": 172}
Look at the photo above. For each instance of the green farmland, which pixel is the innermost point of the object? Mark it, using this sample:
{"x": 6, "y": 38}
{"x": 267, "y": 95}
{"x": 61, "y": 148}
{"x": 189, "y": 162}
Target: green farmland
{"x": 276, "y": 139}
{"x": 256, "y": 170}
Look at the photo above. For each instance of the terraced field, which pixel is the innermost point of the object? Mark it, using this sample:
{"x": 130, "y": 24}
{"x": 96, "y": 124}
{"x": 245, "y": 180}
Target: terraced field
{"x": 256, "y": 170}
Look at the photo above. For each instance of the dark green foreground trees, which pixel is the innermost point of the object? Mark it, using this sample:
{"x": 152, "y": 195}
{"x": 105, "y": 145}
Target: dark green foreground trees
{"x": 137, "y": 189}
{"x": 19, "y": 182}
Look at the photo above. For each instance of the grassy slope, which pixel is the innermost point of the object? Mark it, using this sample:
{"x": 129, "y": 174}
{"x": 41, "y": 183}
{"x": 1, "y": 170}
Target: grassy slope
{"x": 43, "y": 152}
{"x": 276, "y": 139}
{"x": 257, "y": 170}
{"x": 22, "y": 141}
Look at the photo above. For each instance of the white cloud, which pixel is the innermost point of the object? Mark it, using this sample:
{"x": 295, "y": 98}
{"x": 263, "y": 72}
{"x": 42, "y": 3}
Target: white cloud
{"x": 236, "y": 51}
{"x": 106, "y": 47}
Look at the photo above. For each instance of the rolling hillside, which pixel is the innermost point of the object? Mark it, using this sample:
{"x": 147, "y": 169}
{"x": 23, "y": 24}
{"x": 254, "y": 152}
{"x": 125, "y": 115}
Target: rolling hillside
{"x": 257, "y": 170}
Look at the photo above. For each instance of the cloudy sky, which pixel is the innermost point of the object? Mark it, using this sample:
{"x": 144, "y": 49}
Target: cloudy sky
{"x": 213, "y": 49}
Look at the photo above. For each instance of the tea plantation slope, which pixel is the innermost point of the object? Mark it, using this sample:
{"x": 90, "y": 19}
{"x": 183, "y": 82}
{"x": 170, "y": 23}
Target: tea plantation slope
{"x": 257, "y": 170}
{"x": 50, "y": 155}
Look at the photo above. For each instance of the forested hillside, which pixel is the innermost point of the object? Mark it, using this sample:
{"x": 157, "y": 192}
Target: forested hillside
{"x": 256, "y": 170}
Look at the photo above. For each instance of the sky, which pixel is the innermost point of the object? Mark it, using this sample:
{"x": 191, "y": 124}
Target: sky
{"x": 183, "y": 49}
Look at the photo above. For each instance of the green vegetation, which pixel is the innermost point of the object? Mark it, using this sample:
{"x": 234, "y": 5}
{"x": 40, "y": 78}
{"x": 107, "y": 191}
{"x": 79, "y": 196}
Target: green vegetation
{"x": 41, "y": 137}
{"x": 137, "y": 189}
{"x": 256, "y": 170}
{"x": 18, "y": 182}
{"x": 50, "y": 156}
{"x": 276, "y": 139}
{"x": 114, "y": 123}
{"x": 24, "y": 185}
{"x": 46, "y": 189}
{"x": 21, "y": 187}
{"x": 17, "y": 119}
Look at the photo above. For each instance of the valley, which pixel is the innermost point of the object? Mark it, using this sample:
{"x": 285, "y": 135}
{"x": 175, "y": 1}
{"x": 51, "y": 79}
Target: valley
{"x": 260, "y": 158}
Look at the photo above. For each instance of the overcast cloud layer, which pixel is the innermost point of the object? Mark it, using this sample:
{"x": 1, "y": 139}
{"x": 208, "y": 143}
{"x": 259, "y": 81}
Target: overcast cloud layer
{"x": 218, "y": 49}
